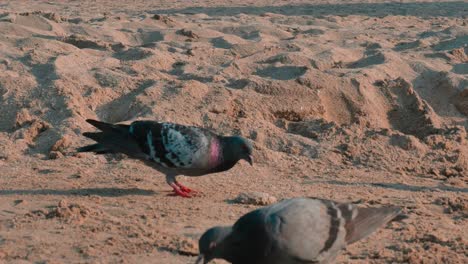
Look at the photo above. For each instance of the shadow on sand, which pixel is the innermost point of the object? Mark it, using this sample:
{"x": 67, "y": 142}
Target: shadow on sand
{"x": 104, "y": 192}
{"x": 395, "y": 186}
{"x": 446, "y": 9}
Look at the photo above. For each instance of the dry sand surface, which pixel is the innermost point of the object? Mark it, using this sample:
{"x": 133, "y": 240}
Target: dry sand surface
{"x": 359, "y": 101}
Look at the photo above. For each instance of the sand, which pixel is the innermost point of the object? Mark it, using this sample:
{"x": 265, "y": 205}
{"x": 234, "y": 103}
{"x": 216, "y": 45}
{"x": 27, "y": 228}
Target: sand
{"x": 360, "y": 101}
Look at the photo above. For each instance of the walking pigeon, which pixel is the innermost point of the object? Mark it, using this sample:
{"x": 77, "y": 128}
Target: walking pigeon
{"x": 293, "y": 231}
{"x": 170, "y": 148}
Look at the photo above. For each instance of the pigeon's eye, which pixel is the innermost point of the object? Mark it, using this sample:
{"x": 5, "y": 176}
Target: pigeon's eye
{"x": 212, "y": 245}
{"x": 245, "y": 149}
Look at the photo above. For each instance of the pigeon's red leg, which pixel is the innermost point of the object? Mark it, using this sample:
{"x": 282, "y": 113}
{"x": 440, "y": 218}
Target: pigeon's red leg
{"x": 183, "y": 188}
{"x": 179, "y": 191}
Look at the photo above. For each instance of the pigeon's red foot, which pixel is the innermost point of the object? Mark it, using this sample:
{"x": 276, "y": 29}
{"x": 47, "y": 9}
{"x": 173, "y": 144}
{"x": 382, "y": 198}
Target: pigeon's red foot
{"x": 185, "y": 189}
{"x": 180, "y": 192}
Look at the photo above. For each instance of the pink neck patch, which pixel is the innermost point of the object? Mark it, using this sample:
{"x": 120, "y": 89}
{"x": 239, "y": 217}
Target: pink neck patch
{"x": 214, "y": 152}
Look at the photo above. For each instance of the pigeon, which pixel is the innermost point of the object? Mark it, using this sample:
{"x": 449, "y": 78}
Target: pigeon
{"x": 293, "y": 231}
{"x": 170, "y": 148}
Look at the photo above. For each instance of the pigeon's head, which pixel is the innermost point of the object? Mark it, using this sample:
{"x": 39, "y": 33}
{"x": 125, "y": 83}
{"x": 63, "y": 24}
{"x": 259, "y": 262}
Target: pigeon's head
{"x": 237, "y": 148}
{"x": 211, "y": 244}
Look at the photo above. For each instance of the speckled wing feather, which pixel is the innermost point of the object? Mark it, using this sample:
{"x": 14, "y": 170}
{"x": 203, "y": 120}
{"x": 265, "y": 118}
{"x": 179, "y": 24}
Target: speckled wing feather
{"x": 173, "y": 145}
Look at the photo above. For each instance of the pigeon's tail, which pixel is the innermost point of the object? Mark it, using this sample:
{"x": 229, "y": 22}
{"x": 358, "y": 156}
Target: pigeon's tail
{"x": 367, "y": 220}
{"x": 112, "y": 139}
{"x": 96, "y": 148}
{"x": 106, "y": 127}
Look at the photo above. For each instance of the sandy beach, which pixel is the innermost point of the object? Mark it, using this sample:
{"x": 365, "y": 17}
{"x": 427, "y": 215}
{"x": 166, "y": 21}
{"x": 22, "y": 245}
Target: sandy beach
{"x": 357, "y": 101}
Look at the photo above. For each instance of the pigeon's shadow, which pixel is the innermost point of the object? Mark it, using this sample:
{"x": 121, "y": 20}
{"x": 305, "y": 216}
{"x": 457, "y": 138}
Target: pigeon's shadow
{"x": 104, "y": 192}
{"x": 395, "y": 186}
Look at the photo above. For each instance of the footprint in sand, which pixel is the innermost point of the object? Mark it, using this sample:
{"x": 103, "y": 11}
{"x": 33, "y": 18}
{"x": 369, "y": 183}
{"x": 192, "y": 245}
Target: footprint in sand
{"x": 281, "y": 73}
{"x": 376, "y": 59}
{"x": 84, "y": 42}
{"x": 461, "y": 68}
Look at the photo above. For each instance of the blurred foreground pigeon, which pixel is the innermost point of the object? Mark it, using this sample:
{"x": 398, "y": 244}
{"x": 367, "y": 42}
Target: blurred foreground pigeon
{"x": 172, "y": 149}
{"x": 299, "y": 231}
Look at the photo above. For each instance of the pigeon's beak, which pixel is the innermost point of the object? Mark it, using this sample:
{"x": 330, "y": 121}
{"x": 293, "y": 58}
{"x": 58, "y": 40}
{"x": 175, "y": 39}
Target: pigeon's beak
{"x": 249, "y": 159}
{"x": 199, "y": 259}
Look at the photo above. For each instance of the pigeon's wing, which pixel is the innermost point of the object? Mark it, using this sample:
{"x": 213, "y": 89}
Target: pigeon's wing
{"x": 361, "y": 222}
{"x": 172, "y": 145}
{"x": 310, "y": 230}
{"x": 306, "y": 230}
